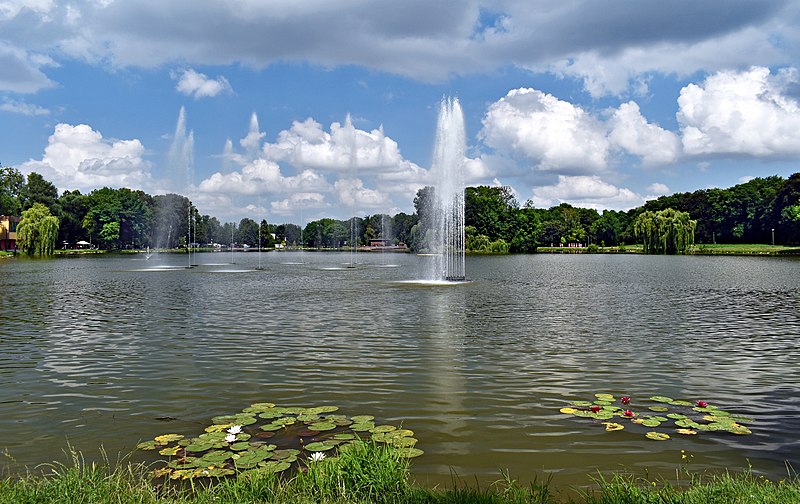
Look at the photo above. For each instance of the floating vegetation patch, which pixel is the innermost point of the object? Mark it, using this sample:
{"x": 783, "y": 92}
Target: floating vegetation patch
{"x": 679, "y": 416}
{"x": 266, "y": 438}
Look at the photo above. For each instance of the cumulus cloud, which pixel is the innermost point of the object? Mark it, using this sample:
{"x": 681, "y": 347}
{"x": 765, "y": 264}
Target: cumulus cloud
{"x": 298, "y": 201}
{"x": 659, "y": 189}
{"x": 633, "y": 133}
{"x": 78, "y": 157}
{"x": 22, "y": 70}
{"x": 351, "y": 192}
{"x": 553, "y": 134}
{"x": 748, "y": 113}
{"x": 586, "y": 192}
{"x": 198, "y": 85}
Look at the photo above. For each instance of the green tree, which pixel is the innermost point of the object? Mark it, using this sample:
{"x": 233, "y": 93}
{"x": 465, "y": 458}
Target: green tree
{"x": 12, "y": 184}
{"x": 248, "y": 232}
{"x": 665, "y": 232}
{"x": 39, "y": 190}
{"x": 37, "y": 230}
{"x": 490, "y": 210}
{"x": 74, "y": 207}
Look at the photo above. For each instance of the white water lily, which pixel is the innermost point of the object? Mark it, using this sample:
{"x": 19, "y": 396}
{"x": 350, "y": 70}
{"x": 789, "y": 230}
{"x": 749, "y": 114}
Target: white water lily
{"x": 235, "y": 429}
{"x": 316, "y": 457}
{"x": 230, "y": 438}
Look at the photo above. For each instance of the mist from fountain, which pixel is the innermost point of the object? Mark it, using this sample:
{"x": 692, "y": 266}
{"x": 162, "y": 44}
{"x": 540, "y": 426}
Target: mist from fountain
{"x": 447, "y": 172}
{"x": 181, "y": 160}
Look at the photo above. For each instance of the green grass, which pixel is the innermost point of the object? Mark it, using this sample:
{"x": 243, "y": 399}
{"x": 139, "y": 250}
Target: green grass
{"x": 744, "y": 249}
{"x": 368, "y": 473}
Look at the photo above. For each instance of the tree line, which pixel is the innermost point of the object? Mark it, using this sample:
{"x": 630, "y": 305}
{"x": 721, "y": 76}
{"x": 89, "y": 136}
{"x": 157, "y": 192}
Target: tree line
{"x": 752, "y": 212}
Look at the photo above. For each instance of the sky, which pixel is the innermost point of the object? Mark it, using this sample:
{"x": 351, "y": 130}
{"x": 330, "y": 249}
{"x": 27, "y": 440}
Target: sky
{"x": 294, "y": 110}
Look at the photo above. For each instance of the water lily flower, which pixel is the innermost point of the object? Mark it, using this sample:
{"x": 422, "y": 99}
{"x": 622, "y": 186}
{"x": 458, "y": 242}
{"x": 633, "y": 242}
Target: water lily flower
{"x": 595, "y": 409}
{"x": 235, "y": 429}
{"x": 316, "y": 457}
{"x": 625, "y": 400}
{"x": 702, "y": 404}
{"x": 628, "y": 413}
{"x": 230, "y": 438}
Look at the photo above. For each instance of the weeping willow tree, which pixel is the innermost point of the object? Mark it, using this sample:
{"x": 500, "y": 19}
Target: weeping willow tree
{"x": 37, "y": 231}
{"x": 666, "y": 232}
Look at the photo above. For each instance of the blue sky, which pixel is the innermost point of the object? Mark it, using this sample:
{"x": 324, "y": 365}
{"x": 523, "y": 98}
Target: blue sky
{"x": 294, "y": 110}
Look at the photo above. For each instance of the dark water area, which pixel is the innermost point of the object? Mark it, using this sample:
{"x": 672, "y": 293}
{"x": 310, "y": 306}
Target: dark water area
{"x": 94, "y": 350}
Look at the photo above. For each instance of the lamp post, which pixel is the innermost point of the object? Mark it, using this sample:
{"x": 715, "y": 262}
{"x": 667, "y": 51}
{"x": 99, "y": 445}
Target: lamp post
{"x": 773, "y": 236}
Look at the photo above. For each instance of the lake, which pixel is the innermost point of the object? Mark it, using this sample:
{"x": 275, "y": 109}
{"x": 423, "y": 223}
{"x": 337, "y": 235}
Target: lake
{"x": 94, "y": 350}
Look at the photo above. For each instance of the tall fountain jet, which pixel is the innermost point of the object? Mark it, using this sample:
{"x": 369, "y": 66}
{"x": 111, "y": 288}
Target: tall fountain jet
{"x": 448, "y": 178}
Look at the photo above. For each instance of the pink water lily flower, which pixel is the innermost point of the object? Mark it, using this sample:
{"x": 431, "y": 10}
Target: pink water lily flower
{"x": 625, "y": 400}
{"x": 595, "y": 409}
{"x": 702, "y": 404}
{"x": 628, "y": 413}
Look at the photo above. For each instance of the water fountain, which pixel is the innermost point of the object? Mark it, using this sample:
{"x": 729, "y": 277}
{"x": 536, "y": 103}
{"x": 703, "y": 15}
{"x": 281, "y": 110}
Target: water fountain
{"x": 448, "y": 204}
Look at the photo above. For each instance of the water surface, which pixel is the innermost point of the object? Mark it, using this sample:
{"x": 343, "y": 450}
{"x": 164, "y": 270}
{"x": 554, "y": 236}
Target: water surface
{"x": 93, "y": 350}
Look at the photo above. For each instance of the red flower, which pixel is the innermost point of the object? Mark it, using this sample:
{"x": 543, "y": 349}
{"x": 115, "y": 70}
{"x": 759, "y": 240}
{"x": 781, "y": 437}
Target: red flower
{"x": 628, "y": 413}
{"x": 595, "y": 409}
{"x": 702, "y": 404}
{"x": 625, "y": 400}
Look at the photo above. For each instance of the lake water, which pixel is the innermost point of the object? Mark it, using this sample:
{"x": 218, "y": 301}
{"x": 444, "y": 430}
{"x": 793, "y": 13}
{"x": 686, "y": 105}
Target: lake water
{"x": 93, "y": 350}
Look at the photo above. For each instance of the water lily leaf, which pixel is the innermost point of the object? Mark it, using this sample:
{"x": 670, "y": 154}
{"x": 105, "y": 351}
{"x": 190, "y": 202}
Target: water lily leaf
{"x": 262, "y": 406}
{"x": 602, "y": 415}
{"x": 212, "y": 436}
{"x": 657, "y": 436}
{"x": 240, "y": 446}
{"x": 166, "y": 439}
{"x": 680, "y": 403}
{"x": 638, "y": 420}
{"x": 611, "y": 408}
{"x": 659, "y": 418}
{"x": 342, "y": 422}
{"x": 345, "y": 437}
{"x": 170, "y": 452}
{"x": 307, "y": 418}
{"x": 322, "y": 426}
{"x": 650, "y": 422}
{"x": 274, "y": 466}
{"x": 323, "y": 409}
{"x": 362, "y": 418}
{"x": 409, "y": 452}
{"x": 284, "y": 421}
{"x": 605, "y": 397}
{"x": 568, "y": 411}
{"x": 400, "y": 433}
{"x": 216, "y": 472}
{"x": 383, "y": 428}
{"x": 583, "y": 414}
{"x": 148, "y": 445}
{"x": 319, "y": 446}
{"x": 663, "y": 399}
{"x": 712, "y": 427}
{"x": 741, "y": 419}
{"x": 270, "y": 414}
{"x": 249, "y": 459}
{"x": 285, "y": 454}
{"x": 403, "y": 442}
{"x": 687, "y": 423}
{"x": 361, "y": 427}
{"x": 686, "y": 432}
{"x": 611, "y": 426}
{"x": 271, "y": 427}
{"x": 307, "y": 432}
{"x": 199, "y": 447}
{"x": 739, "y": 430}
{"x": 160, "y": 472}
{"x": 183, "y": 463}
{"x": 676, "y": 416}
{"x": 381, "y": 438}
{"x": 218, "y": 427}
{"x": 658, "y": 408}
{"x": 294, "y": 410}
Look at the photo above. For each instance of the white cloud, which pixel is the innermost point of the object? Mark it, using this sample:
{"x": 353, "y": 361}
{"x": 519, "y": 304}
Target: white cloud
{"x": 659, "y": 189}
{"x": 21, "y": 107}
{"x": 586, "y": 192}
{"x": 745, "y": 179}
{"x": 78, "y": 157}
{"x": 198, "y": 85}
{"x": 298, "y": 201}
{"x": 552, "y": 134}
{"x": 351, "y": 192}
{"x": 748, "y": 113}
{"x": 631, "y": 131}
{"x": 22, "y": 70}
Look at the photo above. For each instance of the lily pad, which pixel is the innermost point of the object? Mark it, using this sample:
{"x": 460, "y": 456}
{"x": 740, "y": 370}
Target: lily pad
{"x": 403, "y": 442}
{"x": 676, "y": 416}
{"x": 224, "y": 419}
{"x": 271, "y": 427}
{"x": 605, "y": 397}
{"x": 345, "y": 437}
{"x": 409, "y": 452}
{"x": 651, "y": 422}
{"x": 362, "y": 427}
{"x": 322, "y": 426}
{"x": 657, "y": 436}
{"x": 383, "y": 428}
{"x": 686, "y": 432}
{"x": 199, "y": 447}
{"x": 662, "y": 399}
{"x": 319, "y": 446}
{"x": 659, "y": 409}
{"x": 362, "y": 418}
{"x": 274, "y": 466}
{"x": 322, "y": 409}
{"x": 581, "y": 404}
{"x": 681, "y": 403}
{"x": 148, "y": 445}
{"x": 568, "y": 411}
{"x": 270, "y": 414}
{"x": 171, "y": 451}
{"x": 243, "y": 445}
{"x": 611, "y": 426}
{"x": 739, "y": 430}
{"x": 166, "y": 439}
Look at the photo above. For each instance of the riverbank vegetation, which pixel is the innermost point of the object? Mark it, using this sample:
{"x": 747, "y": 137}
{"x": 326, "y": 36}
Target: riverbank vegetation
{"x": 760, "y": 211}
{"x": 372, "y": 475}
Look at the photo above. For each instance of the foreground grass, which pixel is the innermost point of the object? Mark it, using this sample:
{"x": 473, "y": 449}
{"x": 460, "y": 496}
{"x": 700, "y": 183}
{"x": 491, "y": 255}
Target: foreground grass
{"x": 367, "y": 474}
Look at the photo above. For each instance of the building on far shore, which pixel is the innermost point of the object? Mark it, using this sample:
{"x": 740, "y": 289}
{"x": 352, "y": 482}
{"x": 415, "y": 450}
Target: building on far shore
{"x": 8, "y": 232}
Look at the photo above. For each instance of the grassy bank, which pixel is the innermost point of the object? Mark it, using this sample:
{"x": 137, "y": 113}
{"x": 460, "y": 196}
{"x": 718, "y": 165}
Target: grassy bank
{"x": 712, "y": 249}
{"x": 368, "y": 474}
